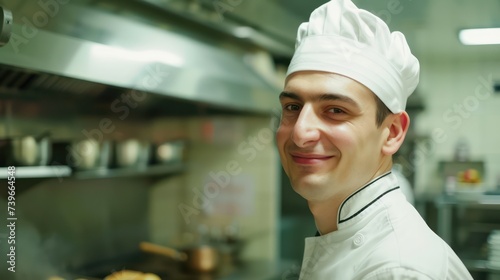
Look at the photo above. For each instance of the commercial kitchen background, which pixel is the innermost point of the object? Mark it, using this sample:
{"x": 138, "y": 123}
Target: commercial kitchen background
{"x": 219, "y": 66}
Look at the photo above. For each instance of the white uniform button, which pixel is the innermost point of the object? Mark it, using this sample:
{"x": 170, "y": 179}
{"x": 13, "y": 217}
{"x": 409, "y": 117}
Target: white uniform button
{"x": 359, "y": 239}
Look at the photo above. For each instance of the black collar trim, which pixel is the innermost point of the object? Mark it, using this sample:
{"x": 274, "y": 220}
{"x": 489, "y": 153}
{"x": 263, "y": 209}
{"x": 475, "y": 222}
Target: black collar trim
{"x": 366, "y": 206}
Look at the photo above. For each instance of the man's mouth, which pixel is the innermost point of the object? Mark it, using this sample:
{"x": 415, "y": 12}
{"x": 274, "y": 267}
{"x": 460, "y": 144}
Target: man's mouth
{"x": 304, "y": 158}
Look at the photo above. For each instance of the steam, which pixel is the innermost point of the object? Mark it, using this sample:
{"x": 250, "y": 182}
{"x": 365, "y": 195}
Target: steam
{"x": 35, "y": 256}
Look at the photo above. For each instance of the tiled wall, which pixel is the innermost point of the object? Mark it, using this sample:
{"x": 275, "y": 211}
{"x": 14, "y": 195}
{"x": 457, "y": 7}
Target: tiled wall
{"x": 460, "y": 103}
{"x": 242, "y": 150}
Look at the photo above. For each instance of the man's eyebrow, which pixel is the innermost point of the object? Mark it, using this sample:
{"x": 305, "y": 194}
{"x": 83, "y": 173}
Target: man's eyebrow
{"x": 337, "y": 97}
{"x": 291, "y": 95}
{"x": 322, "y": 97}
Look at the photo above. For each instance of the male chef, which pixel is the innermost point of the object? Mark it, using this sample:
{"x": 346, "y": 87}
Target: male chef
{"x": 343, "y": 117}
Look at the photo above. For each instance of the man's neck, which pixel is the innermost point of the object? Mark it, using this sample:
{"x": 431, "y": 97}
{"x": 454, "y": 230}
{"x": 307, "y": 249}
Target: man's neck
{"x": 325, "y": 212}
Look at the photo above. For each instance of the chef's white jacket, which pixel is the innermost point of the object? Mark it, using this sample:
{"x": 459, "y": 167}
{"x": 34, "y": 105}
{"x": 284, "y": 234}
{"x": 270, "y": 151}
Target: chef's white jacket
{"x": 380, "y": 236}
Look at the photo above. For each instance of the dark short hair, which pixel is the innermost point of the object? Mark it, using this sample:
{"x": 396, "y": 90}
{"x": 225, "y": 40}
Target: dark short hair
{"x": 382, "y": 111}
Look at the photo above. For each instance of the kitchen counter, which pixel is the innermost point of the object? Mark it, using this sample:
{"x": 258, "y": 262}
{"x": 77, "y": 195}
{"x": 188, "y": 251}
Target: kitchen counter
{"x": 167, "y": 269}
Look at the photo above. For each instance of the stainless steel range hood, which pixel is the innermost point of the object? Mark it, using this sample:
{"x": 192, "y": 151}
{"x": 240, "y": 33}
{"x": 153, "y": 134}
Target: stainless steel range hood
{"x": 110, "y": 47}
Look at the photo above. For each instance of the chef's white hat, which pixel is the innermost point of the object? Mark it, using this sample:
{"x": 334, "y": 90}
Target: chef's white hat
{"x": 342, "y": 39}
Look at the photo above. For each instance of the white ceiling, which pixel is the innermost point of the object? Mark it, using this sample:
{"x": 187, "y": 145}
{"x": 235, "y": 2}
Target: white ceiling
{"x": 430, "y": 26}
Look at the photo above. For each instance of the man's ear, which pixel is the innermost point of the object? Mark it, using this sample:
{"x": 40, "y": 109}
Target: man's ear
{"x": 398, "y": 127}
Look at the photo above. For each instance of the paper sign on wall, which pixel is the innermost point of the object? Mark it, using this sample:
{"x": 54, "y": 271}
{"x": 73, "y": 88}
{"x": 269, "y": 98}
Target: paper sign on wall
{"x": 234, "y": 198}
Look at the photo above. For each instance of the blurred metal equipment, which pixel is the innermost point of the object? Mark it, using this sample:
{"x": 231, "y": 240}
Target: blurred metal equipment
{"x": 5, "y": 26}
{"x": 165, "y": 58}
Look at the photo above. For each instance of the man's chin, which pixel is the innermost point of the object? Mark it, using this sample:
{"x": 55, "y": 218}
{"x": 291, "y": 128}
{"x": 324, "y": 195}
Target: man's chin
{"x": 310, "y": 190}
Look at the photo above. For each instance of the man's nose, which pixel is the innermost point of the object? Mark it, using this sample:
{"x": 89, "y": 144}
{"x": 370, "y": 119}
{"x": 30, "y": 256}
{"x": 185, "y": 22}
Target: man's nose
{"x": 306, "y": 129}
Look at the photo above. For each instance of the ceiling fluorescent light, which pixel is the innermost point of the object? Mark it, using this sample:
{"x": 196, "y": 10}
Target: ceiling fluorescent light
{"x": 480, "y": 36}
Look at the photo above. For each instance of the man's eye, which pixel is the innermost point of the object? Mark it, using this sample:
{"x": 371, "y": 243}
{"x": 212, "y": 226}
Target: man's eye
{"x": 292, "y": 107}
{"x": 336, "y": 111}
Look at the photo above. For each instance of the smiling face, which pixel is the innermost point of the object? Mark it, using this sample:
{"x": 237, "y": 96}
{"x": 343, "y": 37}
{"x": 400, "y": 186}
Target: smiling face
{"x": 328, "y": 139}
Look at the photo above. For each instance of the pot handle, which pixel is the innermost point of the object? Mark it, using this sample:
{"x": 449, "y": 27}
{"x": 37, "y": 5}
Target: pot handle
{"x": 162, "y": 250}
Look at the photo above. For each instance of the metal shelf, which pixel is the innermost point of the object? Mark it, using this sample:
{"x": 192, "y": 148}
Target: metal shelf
{"x": 479, "y": 199}
{"x": 59, "y": 171}
{"x": 53, "y": 171}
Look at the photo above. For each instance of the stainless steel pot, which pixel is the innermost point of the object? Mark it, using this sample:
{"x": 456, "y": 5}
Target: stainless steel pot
{"x": 31, "y": 150}
{"x": 87, "y": 154}
{"x": 169, "y": 152}
{"x": 132, "y": 153}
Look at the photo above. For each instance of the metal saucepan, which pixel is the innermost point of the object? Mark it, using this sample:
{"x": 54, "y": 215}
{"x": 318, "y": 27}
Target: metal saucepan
{"x": 88, "y": 154}
{"x": 169, "y": 152}
{"x": 31, "y": 150}
{"x": 202, "y": 258}
{"x": 132, "y": 153}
